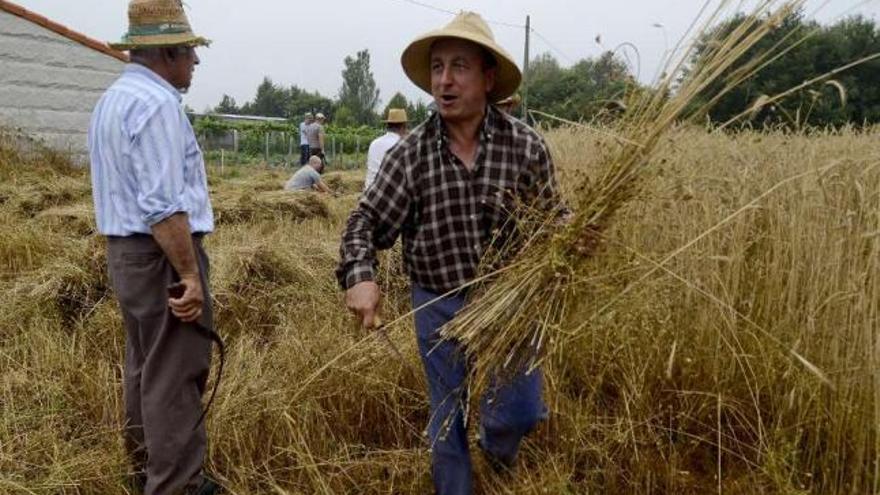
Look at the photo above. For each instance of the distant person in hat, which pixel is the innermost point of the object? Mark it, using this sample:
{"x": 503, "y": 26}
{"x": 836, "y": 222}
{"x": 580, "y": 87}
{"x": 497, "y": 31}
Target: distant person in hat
{"x": 151, "y": 201}
{"x": 510, "y": 104}
{"x": 448, "y": 189}
{"x": 396, "y": 125}
{"x": 315, "y": 134}
{"x": 308, "y": 178}
{"x": 304, "y": 138}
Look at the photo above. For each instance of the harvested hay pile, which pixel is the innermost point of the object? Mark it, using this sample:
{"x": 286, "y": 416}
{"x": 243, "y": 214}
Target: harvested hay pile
{"x": 241, "y": 207}
{"x": 344, "y": 182}
{"x": 37, "y": 180}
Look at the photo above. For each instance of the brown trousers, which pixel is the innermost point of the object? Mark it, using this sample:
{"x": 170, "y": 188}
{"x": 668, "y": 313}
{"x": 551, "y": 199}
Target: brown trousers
{"x": 166, "y": 366}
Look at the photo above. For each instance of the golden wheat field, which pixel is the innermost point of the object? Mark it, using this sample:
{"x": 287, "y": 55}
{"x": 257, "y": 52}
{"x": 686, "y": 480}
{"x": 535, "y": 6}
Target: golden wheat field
{"x": 726, "y": 341}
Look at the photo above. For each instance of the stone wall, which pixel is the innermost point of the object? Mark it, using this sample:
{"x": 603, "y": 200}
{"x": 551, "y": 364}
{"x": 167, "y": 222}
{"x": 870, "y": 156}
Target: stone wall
{"x": 49, "y": 84}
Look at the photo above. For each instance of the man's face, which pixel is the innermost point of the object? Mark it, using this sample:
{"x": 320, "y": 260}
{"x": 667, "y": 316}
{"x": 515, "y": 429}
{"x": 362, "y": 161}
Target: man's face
{"x": 182, "y": 68}
{"x": 459, "y": 80}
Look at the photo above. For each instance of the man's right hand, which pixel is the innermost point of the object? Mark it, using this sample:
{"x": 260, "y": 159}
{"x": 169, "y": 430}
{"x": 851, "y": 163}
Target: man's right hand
{"x": 363, "y": 300}
{"x": 188, "y": 307}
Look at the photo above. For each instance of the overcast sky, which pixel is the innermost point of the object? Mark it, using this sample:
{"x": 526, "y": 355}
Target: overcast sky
{"x": 304, "y": 42}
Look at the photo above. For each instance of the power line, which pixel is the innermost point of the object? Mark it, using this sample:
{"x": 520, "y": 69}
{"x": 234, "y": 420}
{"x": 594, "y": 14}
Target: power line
{"x": 551, "y": 46}
{"x": 505, "y": 24}
{"x": 429, "y": 6}
{"x": 446, "y": 11}
{"x": 543, "y": 38}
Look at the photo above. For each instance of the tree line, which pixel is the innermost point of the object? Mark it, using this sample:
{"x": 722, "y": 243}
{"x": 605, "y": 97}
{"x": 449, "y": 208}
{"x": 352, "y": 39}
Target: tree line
{"x": 356, "y": 104}
{"x": 596, "y": 88}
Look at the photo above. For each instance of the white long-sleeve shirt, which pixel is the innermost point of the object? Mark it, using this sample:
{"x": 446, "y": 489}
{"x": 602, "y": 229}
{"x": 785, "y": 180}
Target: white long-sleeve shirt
{"x": 378, "y": 148}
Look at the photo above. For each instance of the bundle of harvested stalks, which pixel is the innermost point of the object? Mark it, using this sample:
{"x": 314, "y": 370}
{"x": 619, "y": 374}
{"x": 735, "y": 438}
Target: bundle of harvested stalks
{"x": 230, "y": 208}
{"x": 344, "y": 183}
{"x": 514, "y": 318}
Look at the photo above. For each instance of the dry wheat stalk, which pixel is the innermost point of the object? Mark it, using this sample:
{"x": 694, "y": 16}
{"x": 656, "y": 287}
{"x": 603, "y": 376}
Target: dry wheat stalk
{"x": 513, "y": 321}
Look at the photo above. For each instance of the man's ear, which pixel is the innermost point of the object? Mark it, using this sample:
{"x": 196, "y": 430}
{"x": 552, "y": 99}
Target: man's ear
{"x": 490, "y": 75}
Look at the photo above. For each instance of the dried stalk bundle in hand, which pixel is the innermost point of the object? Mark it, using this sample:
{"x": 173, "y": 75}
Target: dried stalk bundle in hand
{"x": 513, "y": 320}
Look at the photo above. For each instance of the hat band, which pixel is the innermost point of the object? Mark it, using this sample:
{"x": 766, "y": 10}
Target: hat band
{"x": 159, "y": 29}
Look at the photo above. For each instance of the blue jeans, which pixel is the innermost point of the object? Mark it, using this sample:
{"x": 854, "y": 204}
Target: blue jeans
{"x": 506, "y": 416}
{"x": 303, "y": 154}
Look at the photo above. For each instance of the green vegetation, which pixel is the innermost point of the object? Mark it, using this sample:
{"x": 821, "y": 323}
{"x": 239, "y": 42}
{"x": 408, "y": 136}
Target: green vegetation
{"x": 849, "y": 98}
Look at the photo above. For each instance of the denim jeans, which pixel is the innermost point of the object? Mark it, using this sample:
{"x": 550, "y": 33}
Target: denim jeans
{"x": 512, "y": 409}
{"x": 303, "y": 154}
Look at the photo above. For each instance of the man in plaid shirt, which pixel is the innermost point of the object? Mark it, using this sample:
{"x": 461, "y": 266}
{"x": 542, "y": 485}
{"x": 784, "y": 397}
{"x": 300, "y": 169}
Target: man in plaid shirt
{"x": 447, "y": 189}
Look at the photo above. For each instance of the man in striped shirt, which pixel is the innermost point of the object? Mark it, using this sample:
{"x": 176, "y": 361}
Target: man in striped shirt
{"x": 151, "y": 201}
{"x": 447, "y": 189}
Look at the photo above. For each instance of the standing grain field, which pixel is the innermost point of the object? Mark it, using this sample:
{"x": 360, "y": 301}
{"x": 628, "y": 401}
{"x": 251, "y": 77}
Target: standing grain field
{"x": 675, "y": 375}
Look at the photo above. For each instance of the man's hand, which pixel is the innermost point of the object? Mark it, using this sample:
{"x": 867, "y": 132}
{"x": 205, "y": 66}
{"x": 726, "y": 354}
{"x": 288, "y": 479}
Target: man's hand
{"x": 188, "y": 307}
{"x": 363, "y": 300}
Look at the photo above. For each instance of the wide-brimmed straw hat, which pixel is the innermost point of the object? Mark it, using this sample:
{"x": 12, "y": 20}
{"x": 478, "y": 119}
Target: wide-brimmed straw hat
{"x": 468, "y": 26}
{"x": 155, "y": 23}
{"x": 396, "y": 116}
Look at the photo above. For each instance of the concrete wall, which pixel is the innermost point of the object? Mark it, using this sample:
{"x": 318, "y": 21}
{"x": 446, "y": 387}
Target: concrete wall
{"x": 49, "y": 84}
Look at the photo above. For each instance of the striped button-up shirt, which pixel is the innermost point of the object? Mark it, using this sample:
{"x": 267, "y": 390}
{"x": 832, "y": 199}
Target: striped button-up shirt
{"x": 146, "y": 163}
{"x": 447, "y": 214}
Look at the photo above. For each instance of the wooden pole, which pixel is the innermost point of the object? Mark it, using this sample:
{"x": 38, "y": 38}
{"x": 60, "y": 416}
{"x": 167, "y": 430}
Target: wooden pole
{"x": 525, "y": 83}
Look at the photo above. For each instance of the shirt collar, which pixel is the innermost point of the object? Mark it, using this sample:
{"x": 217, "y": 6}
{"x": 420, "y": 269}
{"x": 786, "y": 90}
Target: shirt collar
{"x": 487, "y": 128}
{"x": 155, "y": 78}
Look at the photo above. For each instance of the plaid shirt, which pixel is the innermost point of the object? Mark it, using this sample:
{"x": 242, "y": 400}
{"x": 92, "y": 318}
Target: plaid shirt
{"x": 447, "y": 215}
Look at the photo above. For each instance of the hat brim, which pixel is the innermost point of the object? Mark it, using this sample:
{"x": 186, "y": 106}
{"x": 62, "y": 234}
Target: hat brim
{"x": 156, "y": 41}
{"x": 416, "y": 61}
{"x": 394, "y": 121}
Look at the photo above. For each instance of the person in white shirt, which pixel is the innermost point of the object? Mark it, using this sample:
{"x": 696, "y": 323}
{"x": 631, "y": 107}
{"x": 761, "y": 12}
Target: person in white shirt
{"x": 396, "y": 126}
{"x": 304, "y": 138}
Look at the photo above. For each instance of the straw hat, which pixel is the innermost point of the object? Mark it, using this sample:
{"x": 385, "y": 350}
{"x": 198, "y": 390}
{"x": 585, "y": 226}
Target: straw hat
{"x": 468, "y": 26}
{"x": 396, "y": 116}
{"x": 320, "y": 116}
{"x": 155, "y": 23}
{"x": 512, "y": 100}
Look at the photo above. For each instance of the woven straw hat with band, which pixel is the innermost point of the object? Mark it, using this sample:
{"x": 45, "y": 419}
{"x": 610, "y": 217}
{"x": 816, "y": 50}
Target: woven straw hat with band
{"x": 155, "y": 23}
{"x": 468, "y": 26}
{"x": 396, "y": 116}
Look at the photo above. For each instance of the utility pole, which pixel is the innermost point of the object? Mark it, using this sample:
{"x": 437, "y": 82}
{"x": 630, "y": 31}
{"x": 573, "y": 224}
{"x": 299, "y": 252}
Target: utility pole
{"x": 525, "y": 82}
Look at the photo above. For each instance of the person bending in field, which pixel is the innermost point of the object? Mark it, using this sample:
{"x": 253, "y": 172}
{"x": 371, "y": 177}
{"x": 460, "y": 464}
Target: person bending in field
{"x": 446, "y": 188}
{"x": 308, "y": 177}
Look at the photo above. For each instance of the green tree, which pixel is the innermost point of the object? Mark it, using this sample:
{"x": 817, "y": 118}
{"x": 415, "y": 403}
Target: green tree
{"x": 396, "y": 101}
{"x": 300, "y": 101}
{"x": 227, "y": 106}
{"x": 590, "y": 89}
{"x": 851, "y": 98}
{"x": 344, "y": 117}
{"x": 270, "y": 101}
{"x": 358, "y": 92}
{"x": 417, "y": 113}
